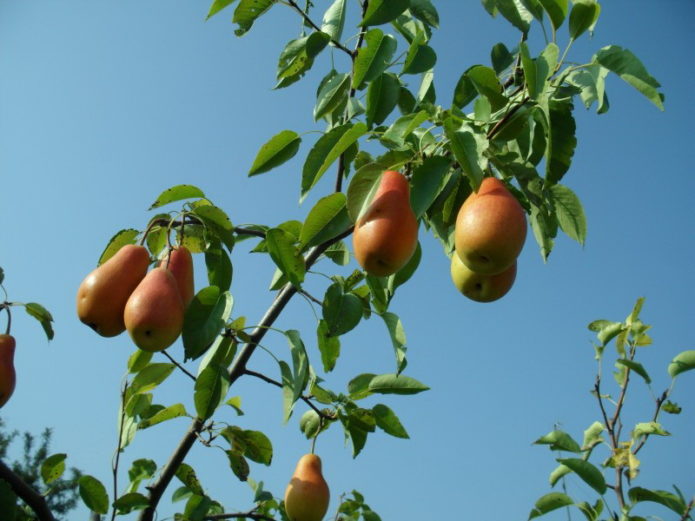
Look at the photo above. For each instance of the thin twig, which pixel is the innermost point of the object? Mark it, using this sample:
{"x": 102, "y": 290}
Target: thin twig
{"x": 117, "y": 455}
{"x": 311, "y": 297}
{"x": 309, "y": 21}
{"x": 190, "y": 375}
{"x": 248, "y": 231}
{"x": 243, "y": 515}
{"x": 659, "y": 402}
{"x": 27, "y": 494}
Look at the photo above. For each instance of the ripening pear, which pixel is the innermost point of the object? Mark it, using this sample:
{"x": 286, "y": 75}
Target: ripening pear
{"x": 490, "y": 228}
{"x": 480, "y": 287}
{"x": 8, "y": 377}
{"x": 180, "y": 264}
{"x": 102, "y": 295}
{"x": 307, "y": 495}
{"x": 385, "y": 236}
{"x": 154, "y": 312}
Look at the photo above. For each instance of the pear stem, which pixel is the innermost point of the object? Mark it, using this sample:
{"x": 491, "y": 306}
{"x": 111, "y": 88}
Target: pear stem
{"x": 6, "y": 305}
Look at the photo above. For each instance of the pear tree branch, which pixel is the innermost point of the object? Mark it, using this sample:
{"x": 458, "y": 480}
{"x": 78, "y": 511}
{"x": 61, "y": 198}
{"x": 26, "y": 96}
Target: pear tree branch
{"x": 27, "y": 494}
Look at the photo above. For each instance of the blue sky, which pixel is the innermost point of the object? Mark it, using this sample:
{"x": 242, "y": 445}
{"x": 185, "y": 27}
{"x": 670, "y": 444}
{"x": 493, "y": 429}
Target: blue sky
{"x": 105, "y": 104}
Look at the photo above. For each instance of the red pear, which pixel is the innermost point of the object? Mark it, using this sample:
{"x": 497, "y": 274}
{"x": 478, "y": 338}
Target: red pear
{"x": 8, "y": 376}
{"x": 180, "y": 264}
{"x": 385, "y": 236}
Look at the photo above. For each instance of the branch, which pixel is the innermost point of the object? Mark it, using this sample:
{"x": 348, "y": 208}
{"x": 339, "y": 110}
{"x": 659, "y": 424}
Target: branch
{"x": 183, "y": 369}
{"x": 659, "y": 402}
{"x": 242, "y": 515}
{"x": 688, "y": 509}
{"x": 310, "y": 22}
{"x": 236, "y": 370}
{"x": 32, "y": 498}
{"x": 248, "y": 231}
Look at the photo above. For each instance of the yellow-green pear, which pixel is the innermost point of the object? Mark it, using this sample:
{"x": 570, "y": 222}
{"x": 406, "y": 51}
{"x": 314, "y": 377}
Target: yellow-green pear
{"x": 478, "y": 286}
{"x": 154, "y": 312}
{"x": 102, "y": 295}
{"x": 307, "y": 495}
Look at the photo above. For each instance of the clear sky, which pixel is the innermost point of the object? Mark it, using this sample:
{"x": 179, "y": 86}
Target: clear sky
{"x": 105, "y": 104}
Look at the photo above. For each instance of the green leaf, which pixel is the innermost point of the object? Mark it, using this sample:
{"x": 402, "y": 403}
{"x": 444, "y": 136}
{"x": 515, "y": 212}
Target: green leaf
{"x": 561, "y": 140}
{"x": 464, "y": 92}
{"x": 116, "y": 242}
{"x": 557, "y": 474}
{"x": 501, "y": 57}
{"x": 373, "y": 58}
{"x": 428, "y": 180}
{"x": 8, "y": 499}
{"x": 537, "y": 72}
{"x": 662, "y": 497}
{"x": 425, "y": 11}
{"x": 606, "y": 330}
{"x": 334, "y": 20}
{"x": 140, "y": 470}
{"x": 288, "y": 393}
{"x": 186, "y": 475}
{"x": 591, "y": 80}
{"x": 403, "y": 127}
{"x": 382, "y": 98}
{"x": 130, "y": 502}
{"x": 41, "y": 314}
{"x": 327, "y": 150}
{"x": 327, "y": 219}
{"x": 177, "y": 193}
{"x": 592, "y": 435}
{"x": 238, "y": 464}
{"x": 298, "y": 56}
{"x": 383, "y": 11}
{"x": 587, "y": 472}
{"x": 285, "y": 255}
{"x": 205, "y": 318}
{"x": 358, "y": 387}
{"x": 396, "y": 384}
{"x": 515, "y": 13}
{"x": 53, "y": 467}
{"x": 671, "y": 407}
{"x": 276, "y": 151}
{"x": 217, "y": 6}
{"x": 387, "y": 421}
{"x": 468, "y": 150}
{"x": 626, "y": 65}
{"x": 310, "y": 423}
{"x": 362, "y": 188}
{"x": 211, "y": 388}
{"x": 329, "y": 346}
{"x": 217, "y": 224}
{"x": 150, "y": 377}
{"x": 487, "y": 84}
{"x": 569, "y": 211}
{"x": 254, "y": 445}
{"x": 173, "y": 411}
{"x": 341, "y": 311}
{"x": 93, "y": 494}
{"x": 397, "y": 334}
{"x": 247, "y": 12}
{"x": 683, "y": 362}
{"x": 534, "y": 7}
{"x": 557, "y": 11}
{"x": 138, "y": 360}
{"x": 331, "y": 94}
{"x": 636, "y": 367}
{"x": 649, "y": 429}
{"x": 420, "y": 57}
{"x": 550, "y": 502}
{"x": 219, "y": 267}
{"x": 583, "y": 16}
{"x": 559, "y": 440}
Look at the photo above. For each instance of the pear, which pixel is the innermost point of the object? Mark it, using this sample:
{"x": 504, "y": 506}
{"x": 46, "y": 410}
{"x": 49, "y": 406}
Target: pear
{"x": 180, "y": 263}
{"x": 307, "y": 495}
{"x": 8, "y": 377}
{"x": 480, "y": 287}
{"x": 154, "y": 312}
{"x": 490, "y": 228}
{"x": 102, "y": 295}
{"x": 385, "y": 236}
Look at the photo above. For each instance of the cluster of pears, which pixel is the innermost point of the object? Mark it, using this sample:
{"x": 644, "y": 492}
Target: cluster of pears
{"x": 8, "y": 377}
{"x": 307, "y": 494}
{"x": 122, "y": 294}
{"x": 489, "y": 235}
{"x": 385, "y": 236}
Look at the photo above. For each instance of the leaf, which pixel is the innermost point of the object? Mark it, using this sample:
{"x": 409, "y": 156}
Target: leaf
{"x": 52, "y": 468}
{"x": 425, "y": 11}
{"x": 138, "y": 360}
{"x": 487, "y": 84}
{"x": 662, "y": 497}
{"x": 592, "y": 435}
{"x": 397, "y": 334}
{"x": 331, "y": 94}
{"x": 150, "y": 377}
{"x": 464, "y": 92}
{"x": 276, "y": 151}
{"x": 569, "y": 211}
{"x": 298, "y": 56}
{"x": 683, "y": 362}
{"x": 583, "y": 16}
{"x": 327, "y": 219}
{"x": 327, "y": 150}
{"x": 382, "y": 98}
{"x": 559, "y": 440}
{"x": 626, "y": 65}
{"x": 649, "y": 429}
{"x": 636, "y": 367}
{"x": 219, "y": 267}
{"x": 501, "y": 57}
{"x": 210, "y": 390}
{"x": 177, "y": 193}
{"x": 140, "y": 470}
{"x": 591, "y": 80}
{"x": 587, "y": 472}
{"x": 247, "y": 12}
{"x": 358, "y": 387}
{"x": 468, "y": 150}
{"x": 41, "y": 314}
{"x": 396, "y": 384}
{"x": 334, "y": 20}
{"x": 329, "y": 346}
{"x": 557, "y": 474}
{"x": 515, "y": 13}
{"x": 606, "y": 330}
{"x": 169, "y": 413}
{"x": 238, "y": 464}
{"x": 217, "y": 224}
{"x": 285, "y": 255}
{"x": 420, "y": 57}
{"x": 205, "y": 318}
{"x": 373, "y": 58}
{"x": 130, "y": 502}
{"x": 341, "y": 311}
{"x": 671, "y": 407}
{"x": 116, "y": 242}
{"x": 387, "y": 421}
{"x": 93, "y": 494}
{"x": 288, "y": 392}
{"x": 217, "y": 6}
{"x": 403, "y": 127}
{"x": 383, "y": 11}
{"x": 362, "y": 188}
{"x": 557, "y": 11}
{"x": 550, "y": 502}
{"x": 427, "y": 181}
